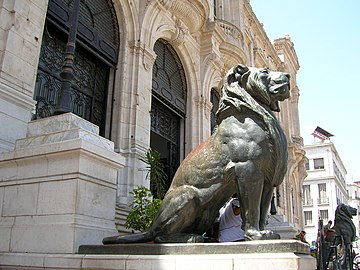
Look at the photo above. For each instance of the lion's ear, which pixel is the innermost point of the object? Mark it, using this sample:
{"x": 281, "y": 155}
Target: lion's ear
{"x": 241, "y": 69}
{"x": 236, "y": 73}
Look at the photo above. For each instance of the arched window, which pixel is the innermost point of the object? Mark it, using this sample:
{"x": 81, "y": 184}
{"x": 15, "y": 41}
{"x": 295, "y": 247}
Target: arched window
{"x": 95, "y": 54}
{"x": 168, "y": 109}
{"x": 169, "y": 83}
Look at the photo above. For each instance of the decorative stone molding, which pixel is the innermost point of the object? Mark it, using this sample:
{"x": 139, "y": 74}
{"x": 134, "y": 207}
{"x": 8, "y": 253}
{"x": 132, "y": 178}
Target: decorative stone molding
{"x": 181, "y": 31}
{"x": 16, "y": 97}
{"x": 213, "y": 59}
{"x": 193, "y": 13}
{"x": 147, "y": 55}
{"x": 200, "y": 101}
{"x": 233, "y": 33}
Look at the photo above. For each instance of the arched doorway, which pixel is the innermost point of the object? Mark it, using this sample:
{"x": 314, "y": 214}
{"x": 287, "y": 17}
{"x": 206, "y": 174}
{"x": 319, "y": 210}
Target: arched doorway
{"x": 95, "y": 57}
{"x": 168, "y": 109}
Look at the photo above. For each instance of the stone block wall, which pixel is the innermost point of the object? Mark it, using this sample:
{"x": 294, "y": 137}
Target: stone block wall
{"x": 21, "y": 28}
{"x": 58, "y": 188}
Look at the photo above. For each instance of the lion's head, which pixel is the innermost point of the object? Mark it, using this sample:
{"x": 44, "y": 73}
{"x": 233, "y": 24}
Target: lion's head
{"x": 343, "y": 224}
{"x": 344, "y": 211}
{"x": 265, "y": 86}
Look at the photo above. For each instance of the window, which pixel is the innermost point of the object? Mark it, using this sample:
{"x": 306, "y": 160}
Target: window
{"x": 168, "y": 106}
{"x": 324, "y": 215}
{"x": 318, "y": 163}
{"x": 308, "y": 217}
{"x": 323, "y": 198}
{"x": 307, "y": 167}
{"x": 307, "y": 200}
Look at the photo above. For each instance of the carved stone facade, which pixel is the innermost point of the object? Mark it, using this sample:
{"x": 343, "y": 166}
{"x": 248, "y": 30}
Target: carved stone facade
{"x": 208, "y": 40}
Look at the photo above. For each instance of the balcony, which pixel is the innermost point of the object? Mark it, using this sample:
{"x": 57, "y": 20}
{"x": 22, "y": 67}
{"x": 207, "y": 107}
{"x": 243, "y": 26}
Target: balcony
{"x": 308, "y": 202}
{"x": 323, "y": 200}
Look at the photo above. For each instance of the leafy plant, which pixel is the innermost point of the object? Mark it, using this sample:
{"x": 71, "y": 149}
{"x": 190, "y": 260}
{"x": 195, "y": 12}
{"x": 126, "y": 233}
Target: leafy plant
{"x": 143, "y": 209}
{"x": 156, "y": 173}
{"x": 147, "y": 201}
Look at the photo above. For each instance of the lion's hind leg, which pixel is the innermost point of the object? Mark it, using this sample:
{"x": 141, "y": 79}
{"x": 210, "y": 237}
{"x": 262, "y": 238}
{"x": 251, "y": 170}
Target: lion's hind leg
{"x": 177, "y": 213}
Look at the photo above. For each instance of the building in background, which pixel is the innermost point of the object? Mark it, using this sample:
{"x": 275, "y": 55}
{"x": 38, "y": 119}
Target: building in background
{"x": 354, "y": 201}
{"x": 147, "y": 74}
{"x": 325, "y": 185}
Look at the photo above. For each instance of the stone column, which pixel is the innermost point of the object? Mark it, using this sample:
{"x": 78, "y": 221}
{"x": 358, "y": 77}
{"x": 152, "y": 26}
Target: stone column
{"x": 58, "y": 187}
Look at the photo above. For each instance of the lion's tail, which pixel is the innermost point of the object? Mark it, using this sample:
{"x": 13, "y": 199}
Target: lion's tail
{"x": 142, "y": 237}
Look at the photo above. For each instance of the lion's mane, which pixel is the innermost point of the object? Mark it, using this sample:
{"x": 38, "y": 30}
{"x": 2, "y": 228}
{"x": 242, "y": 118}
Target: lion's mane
{"x": 246, "y": 89}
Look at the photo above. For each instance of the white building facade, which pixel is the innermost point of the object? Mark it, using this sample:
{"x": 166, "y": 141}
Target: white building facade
{"x": 324, "y": 187}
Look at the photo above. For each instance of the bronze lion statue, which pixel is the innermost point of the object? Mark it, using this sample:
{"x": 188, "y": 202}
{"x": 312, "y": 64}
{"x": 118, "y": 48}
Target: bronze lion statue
{"x": 343, "y": 224}
{"x": 247, "y": 155}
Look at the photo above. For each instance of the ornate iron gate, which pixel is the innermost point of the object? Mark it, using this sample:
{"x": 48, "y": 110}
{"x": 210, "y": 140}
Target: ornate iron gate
{"x": 168, "y": 105}
{"x": 96, "y": 52}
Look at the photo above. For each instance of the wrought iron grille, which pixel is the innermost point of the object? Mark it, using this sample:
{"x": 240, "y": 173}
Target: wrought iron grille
{"x": 169, "y": 101}
{"x": 89, "y": 90}
{"x": 166, "y": 123}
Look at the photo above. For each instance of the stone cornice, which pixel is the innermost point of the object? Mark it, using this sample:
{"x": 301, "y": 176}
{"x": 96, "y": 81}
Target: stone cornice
{"x": 16, "y": 97}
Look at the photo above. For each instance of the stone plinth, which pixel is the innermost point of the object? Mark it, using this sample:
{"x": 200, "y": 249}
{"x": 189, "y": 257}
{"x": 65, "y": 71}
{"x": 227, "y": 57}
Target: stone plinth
{"x": 58, "y": 187}
{"x": 269, "y": 255}
{"x": 280, "y": 225}
{"x": 264, "y": 246}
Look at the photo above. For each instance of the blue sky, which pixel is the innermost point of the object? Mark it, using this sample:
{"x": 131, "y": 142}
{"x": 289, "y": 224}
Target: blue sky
{"x": 326, "y": 36}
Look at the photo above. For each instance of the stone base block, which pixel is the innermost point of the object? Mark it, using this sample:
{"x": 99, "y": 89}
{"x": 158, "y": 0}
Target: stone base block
{"x": 280, "y": 225}
{"x": 58, "y": 187}
{"x": 224, "y": 256}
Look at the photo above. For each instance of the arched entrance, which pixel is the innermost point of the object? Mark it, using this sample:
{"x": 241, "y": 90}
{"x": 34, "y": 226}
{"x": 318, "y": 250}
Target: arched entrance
{"x": 95, "y": 57}
{"x": 168, "y": 109}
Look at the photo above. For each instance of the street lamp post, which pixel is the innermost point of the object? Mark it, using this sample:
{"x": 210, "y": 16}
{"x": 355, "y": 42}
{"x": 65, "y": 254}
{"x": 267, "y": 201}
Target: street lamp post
{"x": 63, "y": 104}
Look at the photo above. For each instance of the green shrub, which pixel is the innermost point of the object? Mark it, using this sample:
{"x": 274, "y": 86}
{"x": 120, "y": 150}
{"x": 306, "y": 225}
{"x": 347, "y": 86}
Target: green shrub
{"x": 143, "y": 209}
{"x": 147, "y": 201}
{"x": 156, "y": 174}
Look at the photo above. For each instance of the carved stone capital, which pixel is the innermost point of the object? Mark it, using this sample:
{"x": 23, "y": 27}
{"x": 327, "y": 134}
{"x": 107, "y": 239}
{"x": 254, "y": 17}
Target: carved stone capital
{"x": 148, "y": 56}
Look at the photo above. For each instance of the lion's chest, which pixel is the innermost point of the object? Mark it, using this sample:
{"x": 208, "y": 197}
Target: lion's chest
{"x": 244, "y": 139}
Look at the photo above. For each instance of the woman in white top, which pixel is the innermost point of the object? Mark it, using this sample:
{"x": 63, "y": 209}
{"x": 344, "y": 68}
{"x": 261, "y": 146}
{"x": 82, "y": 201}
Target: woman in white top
{"x": 230, "y": 222}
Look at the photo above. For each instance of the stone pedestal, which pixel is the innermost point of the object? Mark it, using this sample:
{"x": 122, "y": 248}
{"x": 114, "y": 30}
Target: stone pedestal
{"x": 269, "y": 255}
{"x": 58, "y": 187}
{"x": 279, "y": 224}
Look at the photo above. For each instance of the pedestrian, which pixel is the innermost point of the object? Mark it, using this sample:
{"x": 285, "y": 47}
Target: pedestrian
{"x": 230, "y": 222}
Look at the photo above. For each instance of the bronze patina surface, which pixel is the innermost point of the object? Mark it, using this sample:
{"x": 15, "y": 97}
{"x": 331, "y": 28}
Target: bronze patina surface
{"x": 247, "y": 155}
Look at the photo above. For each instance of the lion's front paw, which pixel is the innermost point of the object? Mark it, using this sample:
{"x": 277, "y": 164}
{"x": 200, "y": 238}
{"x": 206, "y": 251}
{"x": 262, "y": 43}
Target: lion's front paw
{"x": 268, "y": 235}
{"x": 253, "y": 234}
